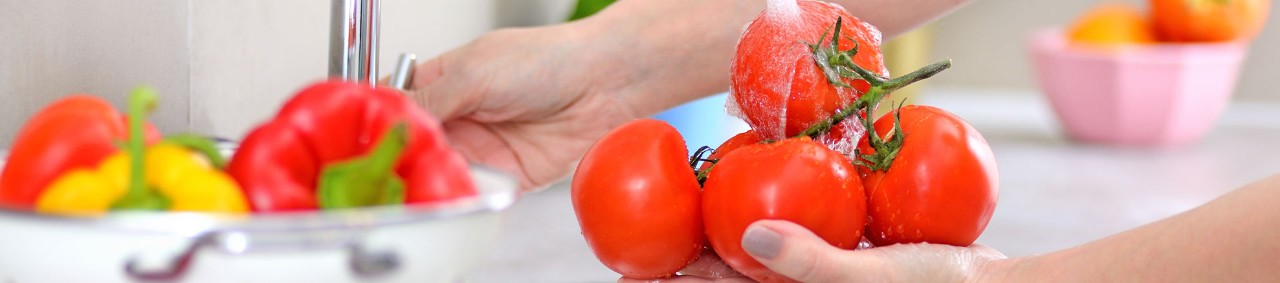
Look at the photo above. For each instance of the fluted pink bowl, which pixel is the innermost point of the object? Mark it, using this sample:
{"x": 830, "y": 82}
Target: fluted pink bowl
{"x": 1147, "y": 95}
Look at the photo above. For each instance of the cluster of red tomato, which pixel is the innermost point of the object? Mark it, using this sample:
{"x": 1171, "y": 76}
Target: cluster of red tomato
{"x": 922, "y": 175}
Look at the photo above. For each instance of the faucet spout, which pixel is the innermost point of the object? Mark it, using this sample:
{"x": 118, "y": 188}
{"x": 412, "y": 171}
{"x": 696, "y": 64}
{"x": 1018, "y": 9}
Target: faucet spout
{"x": 353, "y": 40}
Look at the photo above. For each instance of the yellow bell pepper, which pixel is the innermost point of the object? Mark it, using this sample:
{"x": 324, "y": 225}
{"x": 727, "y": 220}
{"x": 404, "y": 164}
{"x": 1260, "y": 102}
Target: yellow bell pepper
{"x": 187, "y": 178}
{"x": 80, "y": 192}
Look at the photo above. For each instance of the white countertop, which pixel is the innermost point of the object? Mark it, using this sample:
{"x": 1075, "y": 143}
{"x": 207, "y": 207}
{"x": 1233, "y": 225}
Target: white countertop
{"x": 1054, "y": 193}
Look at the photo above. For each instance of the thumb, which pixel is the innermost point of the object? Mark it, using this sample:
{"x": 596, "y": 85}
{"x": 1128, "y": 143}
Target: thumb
{"x": 793, "y": 251}
{"x": 440, "y": 91}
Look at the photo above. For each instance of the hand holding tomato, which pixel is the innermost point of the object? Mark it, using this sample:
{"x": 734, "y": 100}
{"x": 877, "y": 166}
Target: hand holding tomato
{"x": 791, "y": 250}
{"x": 797, "y": 180}
{"x": 637, "y": 218}
{"x": 799, "y": 254}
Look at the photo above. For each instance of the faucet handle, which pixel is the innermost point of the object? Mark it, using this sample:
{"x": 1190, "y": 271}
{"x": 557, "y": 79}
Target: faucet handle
{"x": 402, "y": 76}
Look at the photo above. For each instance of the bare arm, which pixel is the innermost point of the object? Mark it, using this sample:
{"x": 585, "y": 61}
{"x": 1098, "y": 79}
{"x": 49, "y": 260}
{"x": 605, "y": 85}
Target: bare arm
{"x": 684, "y": 47}
{"x": 895, "y": 17}
{"x": 530, "y": 101}
{"x": 1235, "y": 238}
{"x": 1230, "y": 239}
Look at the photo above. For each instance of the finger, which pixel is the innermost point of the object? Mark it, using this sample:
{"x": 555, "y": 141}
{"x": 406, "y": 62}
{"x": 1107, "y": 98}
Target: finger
{"x": 480, "y": 144}
{"x": 676, "y": 279}
{"x": 793, "y": 251}
{"x": 709, "y": 265}
{"x": 687, "y": 279}
{"x": 986, "y": 252}
{"x": 441, "y": 93}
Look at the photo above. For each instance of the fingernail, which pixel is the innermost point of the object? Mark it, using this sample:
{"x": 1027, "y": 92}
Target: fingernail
{"x": 761, "y": 242}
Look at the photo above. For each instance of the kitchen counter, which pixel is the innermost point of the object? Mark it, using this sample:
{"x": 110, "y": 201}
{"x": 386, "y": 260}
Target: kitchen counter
{"x": 1054, "y": 193}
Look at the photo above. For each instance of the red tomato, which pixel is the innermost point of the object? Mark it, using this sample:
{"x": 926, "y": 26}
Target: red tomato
{"x": 774, "y": 68}
{"x": 737, "y": 141}
{"x": 941, "y": 188}
{"x": 1208, "y": 20}
{"x": 637, "y": 201}
{"x": 798, "y": 180}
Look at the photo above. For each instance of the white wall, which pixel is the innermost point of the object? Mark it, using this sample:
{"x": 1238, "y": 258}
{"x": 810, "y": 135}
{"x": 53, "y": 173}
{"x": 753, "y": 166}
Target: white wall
{"x": 224, "y": 65}
{"x": 49, "y": 49}
{"x": 249, "y": 56}
{"x": 221, "y": 66}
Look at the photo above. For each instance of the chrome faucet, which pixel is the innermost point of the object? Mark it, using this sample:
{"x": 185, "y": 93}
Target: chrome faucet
{"x": 353, "y": 44}
{"x": 353, "y": 40}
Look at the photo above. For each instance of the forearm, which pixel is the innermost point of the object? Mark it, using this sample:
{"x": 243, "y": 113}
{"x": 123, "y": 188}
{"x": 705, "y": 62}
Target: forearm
{"x": 660, "y": 53}
{"x": 1231, "y": 239}
{"x": 894, "y": 17}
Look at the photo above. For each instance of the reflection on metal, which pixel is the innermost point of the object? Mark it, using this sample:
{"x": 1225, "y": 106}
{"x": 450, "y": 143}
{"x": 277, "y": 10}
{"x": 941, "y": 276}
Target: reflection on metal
{"x": 403, "y": 75}
{"x": 353, "y": 40}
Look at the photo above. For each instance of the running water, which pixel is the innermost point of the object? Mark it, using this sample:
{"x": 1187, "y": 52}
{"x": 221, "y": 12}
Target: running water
{"x": 774, "y": 75}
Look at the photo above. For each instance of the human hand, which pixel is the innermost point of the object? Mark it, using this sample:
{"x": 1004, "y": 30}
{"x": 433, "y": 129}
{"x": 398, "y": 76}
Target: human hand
{"x": 708, "y": 268}
{"x": 526, "y": 101}
{"x": 791, "y": 250}
{"x": 532, "y": 100}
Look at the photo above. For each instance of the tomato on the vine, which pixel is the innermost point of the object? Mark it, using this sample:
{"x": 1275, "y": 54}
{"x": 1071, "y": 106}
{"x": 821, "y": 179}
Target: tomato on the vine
{"x": 941, "y": 186}
{"x": 798, "y": 180}
{"x": 733, "y": 143}
{"x": 777, "y": 80}
{"x": 638, "y": 202}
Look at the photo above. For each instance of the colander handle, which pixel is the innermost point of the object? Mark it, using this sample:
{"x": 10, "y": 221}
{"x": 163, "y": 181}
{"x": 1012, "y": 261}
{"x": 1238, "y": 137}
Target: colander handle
{"x": 361, "y": 261}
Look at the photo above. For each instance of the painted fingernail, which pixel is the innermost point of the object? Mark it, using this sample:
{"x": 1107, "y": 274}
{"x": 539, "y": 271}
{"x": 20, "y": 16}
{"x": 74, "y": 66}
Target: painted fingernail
{"x": 761, "y": 242}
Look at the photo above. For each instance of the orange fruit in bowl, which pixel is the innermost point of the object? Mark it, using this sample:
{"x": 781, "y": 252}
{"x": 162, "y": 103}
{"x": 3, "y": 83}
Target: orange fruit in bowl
{"x": 1208, "y": 20}
{"x": 1112, "y": 24}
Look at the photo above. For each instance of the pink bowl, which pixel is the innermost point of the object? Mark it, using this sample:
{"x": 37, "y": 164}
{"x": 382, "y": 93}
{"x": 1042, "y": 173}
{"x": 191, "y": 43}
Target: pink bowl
{"x": 1151, "y": 95}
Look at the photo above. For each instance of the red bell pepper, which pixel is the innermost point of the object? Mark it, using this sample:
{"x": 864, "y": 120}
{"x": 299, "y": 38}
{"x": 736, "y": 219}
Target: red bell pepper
{"x": 338, "y": 144}
{"x": 77, "y": 131}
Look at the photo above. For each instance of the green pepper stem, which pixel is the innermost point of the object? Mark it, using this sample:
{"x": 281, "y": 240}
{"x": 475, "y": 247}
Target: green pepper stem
{"x": 369, "y": 179}
{"x": 201, "y": 145}
{"x": 141, "y": 102}
{"x": 386, "y": 152}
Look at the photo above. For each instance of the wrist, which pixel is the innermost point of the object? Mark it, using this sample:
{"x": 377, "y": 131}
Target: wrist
{"x": 1015, "y": 269}
{"x": 1000, "y": 270}
{"x": 658, "y": 54}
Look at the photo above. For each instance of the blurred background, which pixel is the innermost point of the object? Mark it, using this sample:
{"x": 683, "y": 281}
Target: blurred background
{"x": 222, "y": 66}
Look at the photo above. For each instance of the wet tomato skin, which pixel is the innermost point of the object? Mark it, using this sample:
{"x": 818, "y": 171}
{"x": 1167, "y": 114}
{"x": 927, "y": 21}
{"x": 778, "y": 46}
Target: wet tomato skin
{"x": 797, "y": 180}
{"x": 942, "y": 187}
{"x": 638, "y": 202}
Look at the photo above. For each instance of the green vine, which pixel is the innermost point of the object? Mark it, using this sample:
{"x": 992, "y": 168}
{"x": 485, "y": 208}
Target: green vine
{"x": 838, "y": 65}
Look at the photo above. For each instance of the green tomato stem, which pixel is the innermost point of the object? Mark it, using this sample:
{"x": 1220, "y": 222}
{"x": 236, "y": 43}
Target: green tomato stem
{"x": 838, "y": 65}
